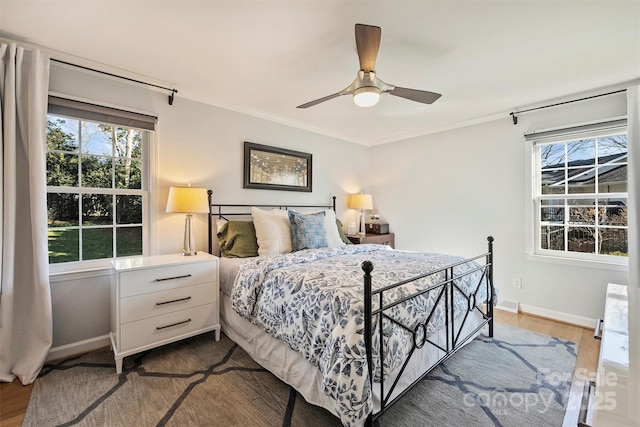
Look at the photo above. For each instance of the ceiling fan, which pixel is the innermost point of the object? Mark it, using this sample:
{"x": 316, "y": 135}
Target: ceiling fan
{"x": 367, "y": 87}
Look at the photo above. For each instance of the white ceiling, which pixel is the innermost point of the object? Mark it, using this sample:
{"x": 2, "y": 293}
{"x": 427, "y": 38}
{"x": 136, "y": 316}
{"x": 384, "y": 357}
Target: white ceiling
{"x": 486, "y": 57}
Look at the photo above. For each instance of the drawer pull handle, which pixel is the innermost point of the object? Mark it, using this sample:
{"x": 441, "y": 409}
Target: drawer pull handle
{"x": 173, "y": 324}
{"x": 173, "y": 278}
{"x": 597, "y": 333}
{"x": 174, "y": 300}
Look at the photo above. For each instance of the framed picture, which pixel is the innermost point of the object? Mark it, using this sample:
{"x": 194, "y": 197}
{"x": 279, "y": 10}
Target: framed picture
{"x": 273, "y": 168}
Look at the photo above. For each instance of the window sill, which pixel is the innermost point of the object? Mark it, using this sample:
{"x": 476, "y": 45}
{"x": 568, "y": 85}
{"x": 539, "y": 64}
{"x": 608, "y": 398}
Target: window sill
{"x": 602, "y": 265}
{"x": 78, "y": 274}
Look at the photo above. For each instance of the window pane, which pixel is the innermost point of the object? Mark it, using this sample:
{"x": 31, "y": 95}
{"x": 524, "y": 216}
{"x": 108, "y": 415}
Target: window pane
{"x": 62, "y": 209}
{"x": 128, "y": 209}
{"x": 612, "y": 179}
{"x": 96, "y": 171}
{"x": 581, "y": 153}
{"x": 552, "y": 214}
{"x": 582, "y": 239}
{"x": 97, "y": 243}
{"x": 581, "y": 180}
{"x": 614, "y": 241}
{"x": 96, "y": 139}
{"x": 612, "y": 212}
{"x": 553, "y": 181}
{"x": 552, "y": 155}
{"x": 97, "y": 209}
{"x": 64, "y": 245}
{"x": 552, "y": 237}
{"x": 128, "y": 143}
{"x": 582, "y": 215}
{"x": 128, "y": 173}
{"x": 128, "y": 241}
{"x": 62, "y": 169}
{"x": 62, "y": 134}
{"x": 612, "y": 148}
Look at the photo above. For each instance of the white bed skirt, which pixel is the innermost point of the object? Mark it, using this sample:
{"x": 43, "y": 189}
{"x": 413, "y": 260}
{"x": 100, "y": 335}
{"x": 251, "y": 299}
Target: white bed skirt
{"x": 292, "y": 368}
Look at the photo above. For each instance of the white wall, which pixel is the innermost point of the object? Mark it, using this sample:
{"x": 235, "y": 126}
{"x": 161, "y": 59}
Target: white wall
{"x": 446, "y": 192}
{"x": 197, "y": 144}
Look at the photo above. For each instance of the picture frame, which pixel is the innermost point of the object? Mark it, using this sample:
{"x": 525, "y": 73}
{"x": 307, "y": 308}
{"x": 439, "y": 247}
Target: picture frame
{"x": 274, "y": 168}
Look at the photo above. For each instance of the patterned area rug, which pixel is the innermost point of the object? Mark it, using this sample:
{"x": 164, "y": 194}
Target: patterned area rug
{"x": 517, "y": 378}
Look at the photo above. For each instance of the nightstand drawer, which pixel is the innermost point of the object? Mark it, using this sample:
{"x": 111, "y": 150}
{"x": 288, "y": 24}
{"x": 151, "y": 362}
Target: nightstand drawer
{"x": 156, "y": 279}
{"x": 156, "y": 303}
{"x": 156, "y": 329}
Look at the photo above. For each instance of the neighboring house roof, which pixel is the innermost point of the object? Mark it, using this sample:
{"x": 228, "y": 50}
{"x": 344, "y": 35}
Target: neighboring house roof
{"x": 609, "y": 167}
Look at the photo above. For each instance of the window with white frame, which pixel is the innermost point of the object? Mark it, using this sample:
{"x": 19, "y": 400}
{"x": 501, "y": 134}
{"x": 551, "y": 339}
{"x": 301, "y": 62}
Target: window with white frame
{"x": 97, "y": 181}
{"x": 580, "y": 192}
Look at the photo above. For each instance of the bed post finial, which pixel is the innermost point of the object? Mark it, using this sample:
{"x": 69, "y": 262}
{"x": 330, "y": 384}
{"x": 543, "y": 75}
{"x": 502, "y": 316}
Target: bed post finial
{"x": 367, "y": 267}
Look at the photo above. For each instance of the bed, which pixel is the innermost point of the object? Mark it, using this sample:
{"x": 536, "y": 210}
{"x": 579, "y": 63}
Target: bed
{"x": 349, "y": 327}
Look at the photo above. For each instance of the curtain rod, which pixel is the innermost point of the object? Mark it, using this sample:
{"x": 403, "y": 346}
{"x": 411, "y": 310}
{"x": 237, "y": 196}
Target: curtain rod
{"x": 515, "y": 117}
{"x": 172, "y": 90}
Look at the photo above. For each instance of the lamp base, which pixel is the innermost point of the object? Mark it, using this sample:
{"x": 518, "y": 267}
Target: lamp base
{"x": 362, "y": 232}
{"x": 189, "y": 248}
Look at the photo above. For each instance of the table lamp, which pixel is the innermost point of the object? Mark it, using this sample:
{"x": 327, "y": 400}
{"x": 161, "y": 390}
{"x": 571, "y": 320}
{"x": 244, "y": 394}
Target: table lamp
{"x": 362, "y": 202}
{"x": 188, "y": 200}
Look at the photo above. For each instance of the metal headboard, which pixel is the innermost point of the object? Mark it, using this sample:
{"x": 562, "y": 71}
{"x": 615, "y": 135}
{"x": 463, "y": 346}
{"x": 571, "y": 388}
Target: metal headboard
{"x": 226, "y": 211}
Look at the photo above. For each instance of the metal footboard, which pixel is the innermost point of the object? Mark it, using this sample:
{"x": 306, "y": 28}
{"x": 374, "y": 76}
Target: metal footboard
{"x": 446, "y": 291}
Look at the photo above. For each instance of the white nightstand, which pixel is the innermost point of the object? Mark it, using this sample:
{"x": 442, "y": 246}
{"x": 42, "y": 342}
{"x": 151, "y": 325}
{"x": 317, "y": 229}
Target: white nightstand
{"x": 157, "y": 300}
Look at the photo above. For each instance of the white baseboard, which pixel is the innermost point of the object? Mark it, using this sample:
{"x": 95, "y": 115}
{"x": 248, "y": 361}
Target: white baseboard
{"x": 67, "y": 350}
{"x": 585, "y": 322}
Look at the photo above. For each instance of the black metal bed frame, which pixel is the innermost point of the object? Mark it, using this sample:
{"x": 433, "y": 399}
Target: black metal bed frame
{"x": 446, "y": 290}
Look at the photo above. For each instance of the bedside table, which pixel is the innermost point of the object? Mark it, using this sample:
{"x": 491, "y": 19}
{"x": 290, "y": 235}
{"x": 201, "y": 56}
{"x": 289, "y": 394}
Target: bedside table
{"x": 157, "y": 300}
{"x": 378, "y": 239}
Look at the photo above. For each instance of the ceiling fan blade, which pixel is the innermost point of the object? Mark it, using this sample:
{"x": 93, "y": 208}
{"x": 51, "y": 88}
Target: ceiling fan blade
{"x": 415, "y": 95}
{"x": 367, "y": 43}
{"x": 318, "y": 101}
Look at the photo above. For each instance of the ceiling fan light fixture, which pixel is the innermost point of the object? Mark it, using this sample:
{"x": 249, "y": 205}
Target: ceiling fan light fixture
{"x": 367, "y": 96}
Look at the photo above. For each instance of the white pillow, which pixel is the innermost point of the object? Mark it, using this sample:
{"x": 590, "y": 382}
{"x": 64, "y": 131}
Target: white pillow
{"x": 273, "y": 231}
{"x": 330, "y": 226}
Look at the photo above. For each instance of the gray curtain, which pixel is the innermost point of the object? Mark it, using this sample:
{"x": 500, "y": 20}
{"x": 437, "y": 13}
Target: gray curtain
{"x": 25, "y": 296}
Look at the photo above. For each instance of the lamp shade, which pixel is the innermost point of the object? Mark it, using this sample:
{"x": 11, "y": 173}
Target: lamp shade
{"x": 361, "y": 201}
{"x": 187, "y": 200}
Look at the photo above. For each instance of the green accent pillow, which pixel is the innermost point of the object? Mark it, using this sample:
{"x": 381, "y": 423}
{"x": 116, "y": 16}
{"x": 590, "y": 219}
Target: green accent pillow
{"x": 238, "y": 239}
{"x": 341, "y": 232}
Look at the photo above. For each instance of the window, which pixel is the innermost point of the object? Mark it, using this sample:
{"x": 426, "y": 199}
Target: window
{"x": 580, "y": 192}
{"x": 97, "y": 181}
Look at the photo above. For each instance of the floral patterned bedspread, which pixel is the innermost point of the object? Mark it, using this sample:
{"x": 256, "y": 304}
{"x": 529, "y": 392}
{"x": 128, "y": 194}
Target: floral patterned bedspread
{"x": 313, "y": 301}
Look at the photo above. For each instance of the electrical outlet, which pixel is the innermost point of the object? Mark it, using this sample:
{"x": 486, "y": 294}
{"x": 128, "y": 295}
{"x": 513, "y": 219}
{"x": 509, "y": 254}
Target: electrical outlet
{"x": 517, "y": 282}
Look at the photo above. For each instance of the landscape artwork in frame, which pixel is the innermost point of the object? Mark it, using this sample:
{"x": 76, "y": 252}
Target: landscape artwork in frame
{"x": 273, "y": 168}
